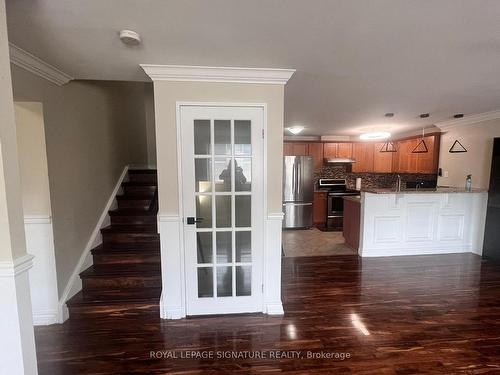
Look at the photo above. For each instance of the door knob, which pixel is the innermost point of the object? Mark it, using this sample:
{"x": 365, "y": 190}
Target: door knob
{"x": 192, "y": 220}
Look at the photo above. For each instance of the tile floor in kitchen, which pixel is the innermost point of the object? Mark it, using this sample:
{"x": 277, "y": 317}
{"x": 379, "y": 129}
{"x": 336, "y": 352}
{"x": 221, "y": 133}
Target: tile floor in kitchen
{"x": 313, "y": 242}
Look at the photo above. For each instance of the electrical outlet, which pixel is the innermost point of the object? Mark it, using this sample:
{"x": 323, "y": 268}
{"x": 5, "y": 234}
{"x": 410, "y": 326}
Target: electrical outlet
{"x": 445, "y": 174}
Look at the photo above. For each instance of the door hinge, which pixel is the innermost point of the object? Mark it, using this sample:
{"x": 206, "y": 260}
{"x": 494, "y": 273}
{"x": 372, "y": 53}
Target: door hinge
{"x": 262, "y": 288}
{"x": 262, "y": 133}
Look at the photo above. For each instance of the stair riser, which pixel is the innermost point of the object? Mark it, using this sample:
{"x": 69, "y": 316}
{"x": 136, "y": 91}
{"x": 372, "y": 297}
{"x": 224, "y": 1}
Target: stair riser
{"x": 126, "y": 258}
{"x": 134, "y": 203}
{"x": 134, "y": 220}
{"x": 121, "y": 282}
{"x": 139, "y": 190}
{"x": 111, "y": 310}
{"x": 147, "y": 177}
{"x": 129, "y": 237}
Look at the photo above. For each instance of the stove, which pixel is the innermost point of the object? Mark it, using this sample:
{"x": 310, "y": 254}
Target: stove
{"x": 337, "y": 189}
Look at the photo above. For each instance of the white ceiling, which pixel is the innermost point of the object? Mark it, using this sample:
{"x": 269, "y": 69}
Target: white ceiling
{"x": 355, "y": 59}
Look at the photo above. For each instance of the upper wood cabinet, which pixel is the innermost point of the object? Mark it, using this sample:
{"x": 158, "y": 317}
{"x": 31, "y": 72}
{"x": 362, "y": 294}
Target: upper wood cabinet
{"x": 295, "y": 149}
{"x": 338, "y": 150}
{"x": 382, "y": 161}
{"x": 368, "y": 156}
{"x": 406, "y": 161}
{"x": 316, "y": 151}
{"x": 363, "y": 154}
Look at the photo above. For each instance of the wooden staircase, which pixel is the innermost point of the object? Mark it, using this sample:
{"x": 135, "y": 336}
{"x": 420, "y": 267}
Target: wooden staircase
{"x": 125, "y": 278}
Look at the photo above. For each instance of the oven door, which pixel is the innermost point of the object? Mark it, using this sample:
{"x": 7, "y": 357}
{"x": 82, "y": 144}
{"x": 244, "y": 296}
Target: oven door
{"x": 335, "y": 206}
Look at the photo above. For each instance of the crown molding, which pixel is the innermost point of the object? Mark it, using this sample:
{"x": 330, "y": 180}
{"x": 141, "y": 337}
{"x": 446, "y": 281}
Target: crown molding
{"x": 217, "y": 74}
{"x": 37, "y": 66}
{"x": 468, "y": 120}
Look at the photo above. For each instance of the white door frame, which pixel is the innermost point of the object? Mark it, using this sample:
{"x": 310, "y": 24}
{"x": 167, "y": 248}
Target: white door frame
{"x": 180, "y": 197}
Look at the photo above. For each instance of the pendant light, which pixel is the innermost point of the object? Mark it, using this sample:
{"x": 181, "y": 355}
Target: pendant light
{"x": 421, "y": 147}
{"x": 388, "y": 146}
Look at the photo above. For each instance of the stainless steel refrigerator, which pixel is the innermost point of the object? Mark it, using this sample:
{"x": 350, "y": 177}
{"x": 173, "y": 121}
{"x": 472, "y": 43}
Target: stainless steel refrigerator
{"x": 298, "y": 186}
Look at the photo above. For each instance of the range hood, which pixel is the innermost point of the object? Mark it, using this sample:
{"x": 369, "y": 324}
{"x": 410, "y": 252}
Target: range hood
{"x": 339, "y": 161}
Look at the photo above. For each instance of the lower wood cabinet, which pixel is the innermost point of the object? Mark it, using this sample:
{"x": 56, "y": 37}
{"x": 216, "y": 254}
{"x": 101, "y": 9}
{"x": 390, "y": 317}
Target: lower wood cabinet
{"x": 319, "y": 208}
{"x": 352, "y": 222}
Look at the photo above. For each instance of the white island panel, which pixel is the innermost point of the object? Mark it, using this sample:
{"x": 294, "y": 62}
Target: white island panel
{"x": 422, "y": 223}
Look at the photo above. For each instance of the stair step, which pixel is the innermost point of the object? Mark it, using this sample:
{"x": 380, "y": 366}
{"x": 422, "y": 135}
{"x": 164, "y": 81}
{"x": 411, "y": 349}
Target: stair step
{"x": 121, "y": 276}
{"x": 133, "y": 216}
{"x": 139, "y": 189}
{"x": 129, "y": 233}
{"x": 152, "y": 246}
{"x": 115, "y": 303}
{"x": 134, "y": 201}
{"x": 142, "y": 175}
{"x": 103, "y": 255}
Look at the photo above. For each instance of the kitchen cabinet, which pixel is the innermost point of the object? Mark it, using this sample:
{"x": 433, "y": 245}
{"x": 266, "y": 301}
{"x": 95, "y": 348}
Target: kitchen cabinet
{"x": 362, "y": 152}
{"x": 295, "y": 149}
{"x": 382, "y": 161}
{"x": 319, "y": 208}
{"x": 428, "y": 162}
{"x": 316, "y": 151}
{"x": 405, "y": 161}
{"x": 338, "y": 150}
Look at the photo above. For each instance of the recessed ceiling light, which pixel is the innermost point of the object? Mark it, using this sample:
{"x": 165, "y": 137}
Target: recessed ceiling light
{"x": 375, "y": 135}
{"x": 424, "y": 115}
{"x": 389, "y": 114}
{"x": 130, "y": 37}
{"x": 295, "y": 129}
{"x": 458, "y": 115}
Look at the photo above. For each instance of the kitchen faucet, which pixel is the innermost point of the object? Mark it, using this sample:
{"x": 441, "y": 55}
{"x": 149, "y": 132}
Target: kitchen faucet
{"x": 398, "y": 183}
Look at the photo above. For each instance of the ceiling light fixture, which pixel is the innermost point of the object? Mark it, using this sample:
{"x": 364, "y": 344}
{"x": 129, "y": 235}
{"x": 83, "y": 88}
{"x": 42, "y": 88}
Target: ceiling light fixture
{"x": 295, "y": 129}
{"x": 421, "y": 147}
{"x": 130, "y": 37}
{"x": 375, "y": 135}
{"x": 389, "y": 114}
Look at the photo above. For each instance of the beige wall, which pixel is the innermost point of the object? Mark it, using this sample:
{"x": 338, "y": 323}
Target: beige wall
{"x": 478, "y": 140}
{"x": 168, "y": 93}
{"x": 92, "y": 130}
{"x": 12, "y": 240}
{"x": 32, "y": 158}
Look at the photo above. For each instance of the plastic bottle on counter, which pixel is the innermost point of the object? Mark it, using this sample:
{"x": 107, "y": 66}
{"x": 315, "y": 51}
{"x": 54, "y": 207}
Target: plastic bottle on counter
{"x": 468, "y": 183}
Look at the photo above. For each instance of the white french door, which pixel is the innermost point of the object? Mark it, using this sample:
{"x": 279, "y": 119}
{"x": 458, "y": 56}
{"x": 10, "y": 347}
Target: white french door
{"x": 223, "y": 210}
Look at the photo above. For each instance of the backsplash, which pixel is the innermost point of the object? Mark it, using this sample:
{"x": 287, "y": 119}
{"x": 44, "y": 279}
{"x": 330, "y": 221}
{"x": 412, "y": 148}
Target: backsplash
{"x": 368, "y": 180}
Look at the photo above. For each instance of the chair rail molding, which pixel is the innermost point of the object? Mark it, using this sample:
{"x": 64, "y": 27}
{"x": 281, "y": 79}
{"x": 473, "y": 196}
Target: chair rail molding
{"x": 468, "y": 120}
{"x": 217, "y": 74}
{"x": 37, "y": 66}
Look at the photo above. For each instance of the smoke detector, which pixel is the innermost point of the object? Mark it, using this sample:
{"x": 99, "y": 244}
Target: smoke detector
{"x": 130, "y": 37}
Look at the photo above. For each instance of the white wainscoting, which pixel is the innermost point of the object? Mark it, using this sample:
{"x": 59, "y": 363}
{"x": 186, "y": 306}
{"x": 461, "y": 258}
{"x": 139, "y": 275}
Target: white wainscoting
{"x": 17, "y": 346}
{"x": 422, "y": 223}
{"x": 172, "y": 304}
{"x": 43, "y": 277}
{"x": 272, "y": 265}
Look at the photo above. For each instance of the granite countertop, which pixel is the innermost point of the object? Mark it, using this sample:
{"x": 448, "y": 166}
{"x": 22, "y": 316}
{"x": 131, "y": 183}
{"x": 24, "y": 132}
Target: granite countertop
{"x": 353, "y": 198}
{"x": 438, "y": 190}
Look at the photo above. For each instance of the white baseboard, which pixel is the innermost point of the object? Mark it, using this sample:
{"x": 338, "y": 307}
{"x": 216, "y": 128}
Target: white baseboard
{"x": 75, "y": 283}
{"x": 274, "y": 309}
{"x": 45, "y": 318}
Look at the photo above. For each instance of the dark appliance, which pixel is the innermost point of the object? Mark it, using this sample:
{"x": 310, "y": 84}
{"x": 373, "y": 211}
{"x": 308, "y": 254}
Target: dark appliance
{"x": 337, "y": 189}
{"x": 491, "y": 247}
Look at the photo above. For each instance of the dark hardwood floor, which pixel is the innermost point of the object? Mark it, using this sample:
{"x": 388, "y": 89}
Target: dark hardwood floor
{"x": 399, "y": 315}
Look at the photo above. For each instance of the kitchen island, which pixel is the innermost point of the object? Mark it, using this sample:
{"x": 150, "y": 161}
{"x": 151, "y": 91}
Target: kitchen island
{"x": 424, "y": 221}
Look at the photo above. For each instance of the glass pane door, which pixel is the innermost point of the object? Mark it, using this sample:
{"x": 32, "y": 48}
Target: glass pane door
{"x": 222, "y": 169}
{"x": 223, "y": 196}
